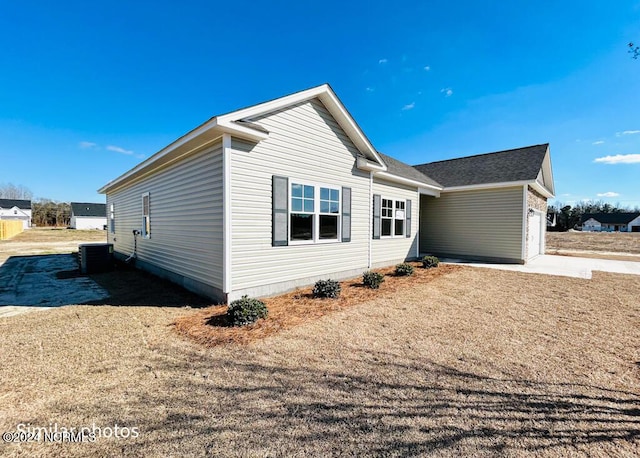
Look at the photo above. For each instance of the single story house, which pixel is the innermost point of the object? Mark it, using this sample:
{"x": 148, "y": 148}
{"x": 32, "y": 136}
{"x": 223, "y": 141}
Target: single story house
{"x": 16, "y": 209}
{"x": 88, "y": 215}
{"x": 284, "y": 193}
{"x": 611, "y": 222}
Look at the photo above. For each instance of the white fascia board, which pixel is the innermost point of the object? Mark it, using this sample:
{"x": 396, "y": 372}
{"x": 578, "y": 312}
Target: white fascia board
{"x": 209, "y": 125}
{"x": 363, "y": 164}
{"x": 542, "y": 190}
{"x": 242, "y": 131}
{"x": 473, "y": 187}
{"x": 396, "y": 179}
{"x": 507, "y": 184}
{"x": 547, "y": 171}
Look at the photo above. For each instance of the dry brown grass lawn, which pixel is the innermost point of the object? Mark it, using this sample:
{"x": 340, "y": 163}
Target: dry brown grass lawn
{"x": 47, "y": 241}
{"x": 476, "y": 362}
{"x": 594, "y": 242}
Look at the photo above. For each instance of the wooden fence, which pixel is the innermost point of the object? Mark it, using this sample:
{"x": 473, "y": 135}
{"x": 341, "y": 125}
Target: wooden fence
{"x": 10, "y": 228}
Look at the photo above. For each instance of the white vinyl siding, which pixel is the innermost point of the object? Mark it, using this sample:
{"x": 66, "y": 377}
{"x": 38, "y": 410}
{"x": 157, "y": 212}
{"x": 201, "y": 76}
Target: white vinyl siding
{"x": 483, "y": 224}
{"x": 396, "y": 248}
{"x": 87, "y": 222}
{"x": 307, "y": 145}
{"x": 186, "y": 218}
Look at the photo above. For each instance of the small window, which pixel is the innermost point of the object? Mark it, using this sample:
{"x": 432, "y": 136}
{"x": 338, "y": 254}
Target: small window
{"x": 392, "y": 218}
{"x": 387, "y": 217}
{"x": 399, "y": 218}
{"x": 112, "y": 219}
{"x": 146, "y": 216}
{"x": 329, "y": 213}
{"x": 314, "y": 214}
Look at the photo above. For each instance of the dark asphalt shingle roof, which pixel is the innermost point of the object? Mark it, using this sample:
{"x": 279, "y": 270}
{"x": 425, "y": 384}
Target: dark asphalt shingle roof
{"x": 611, "y": 218}
{"x": 521, "y": 164}
{"x": 395, "y": 167}
{"x": 88, "y": 209}
{"x": 10, "y": 203}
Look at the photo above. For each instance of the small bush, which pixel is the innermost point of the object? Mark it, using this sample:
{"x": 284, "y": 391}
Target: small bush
{"x": 326, "y": 288}
{"x": 246, "y": 311}
{"x": 430, "y": 261}
{"x": 404, "y": 270}
{"x": 372, "y": 279}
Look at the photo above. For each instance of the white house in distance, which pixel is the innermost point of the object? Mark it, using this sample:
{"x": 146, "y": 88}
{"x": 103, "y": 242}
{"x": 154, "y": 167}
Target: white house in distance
{"x": 611, "y": 222}
{"x": 88, "y": 215}
{"x": 284, "y": 193}
{"x": 16, "y": 209}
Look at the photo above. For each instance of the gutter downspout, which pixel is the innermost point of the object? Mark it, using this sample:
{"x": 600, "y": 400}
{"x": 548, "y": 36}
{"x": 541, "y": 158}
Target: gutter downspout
{"x": 370, "y": 218}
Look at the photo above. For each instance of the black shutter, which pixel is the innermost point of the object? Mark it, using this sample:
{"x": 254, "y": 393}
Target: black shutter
{"x": 377, "y": 204}
{"x": 407, "y": 218}
{"x": 280, "y": 211}
{"x": 346, "y": 214}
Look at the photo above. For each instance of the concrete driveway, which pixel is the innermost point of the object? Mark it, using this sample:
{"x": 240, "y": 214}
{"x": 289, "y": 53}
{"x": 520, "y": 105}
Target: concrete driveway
{"x": 565, "y": 266}
{"x": 29, "y": 283}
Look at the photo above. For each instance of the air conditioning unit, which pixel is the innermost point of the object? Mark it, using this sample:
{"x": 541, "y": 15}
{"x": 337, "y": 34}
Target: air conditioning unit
{"x": 95, "y": 257}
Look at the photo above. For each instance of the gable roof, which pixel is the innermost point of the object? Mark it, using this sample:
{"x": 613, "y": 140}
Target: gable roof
{"x": 88, "y": 209}
{"x": 20, "y": 203}
{"x": 237, "y": 123}
{"x": 611, "y": 218}
{"x": 510, "y": 166}
{"x": 400, "y": 169}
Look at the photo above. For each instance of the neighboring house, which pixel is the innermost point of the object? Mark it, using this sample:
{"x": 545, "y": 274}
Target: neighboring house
{"x": 88, "y": 215}
{"x": 281, "y": 194}
{"x": 611, "y": 222}
{"x": 16, "y": 209}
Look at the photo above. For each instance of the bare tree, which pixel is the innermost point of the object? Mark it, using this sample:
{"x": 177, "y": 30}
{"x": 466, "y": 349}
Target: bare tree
{"x": 11, "y": 191}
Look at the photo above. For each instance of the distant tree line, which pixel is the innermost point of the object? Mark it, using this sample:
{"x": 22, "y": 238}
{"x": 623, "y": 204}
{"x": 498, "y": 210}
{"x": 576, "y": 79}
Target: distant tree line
{"x": 568, "y": 217}
{"x": 44, "y": 212}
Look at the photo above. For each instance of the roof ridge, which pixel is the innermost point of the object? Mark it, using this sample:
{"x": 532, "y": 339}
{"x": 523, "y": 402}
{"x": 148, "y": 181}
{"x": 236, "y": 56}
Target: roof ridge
{"x": 483, "y": 154}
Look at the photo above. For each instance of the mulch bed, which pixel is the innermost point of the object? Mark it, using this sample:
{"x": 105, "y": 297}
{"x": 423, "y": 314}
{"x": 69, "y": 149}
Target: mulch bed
{"x": 208, "y": 326}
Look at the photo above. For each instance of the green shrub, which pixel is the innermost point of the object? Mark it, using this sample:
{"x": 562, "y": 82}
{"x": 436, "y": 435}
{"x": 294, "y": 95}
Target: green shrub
{"x": 372, "y": 279}
{"x": 404, "y": 270}
{"x": 430, "y": 261}
{"x": 246, "y": 311}
{"x": 326, "y": 288}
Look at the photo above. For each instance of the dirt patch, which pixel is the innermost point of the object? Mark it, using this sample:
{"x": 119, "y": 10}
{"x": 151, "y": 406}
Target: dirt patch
{"x": 473, "y": 363}
{"x": 39, "y": 235}
{"x": 594, "y": 242}
{"x": 209, "y": 327}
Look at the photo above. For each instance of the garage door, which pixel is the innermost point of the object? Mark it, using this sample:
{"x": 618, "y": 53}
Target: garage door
{"x": 535, "y": 235}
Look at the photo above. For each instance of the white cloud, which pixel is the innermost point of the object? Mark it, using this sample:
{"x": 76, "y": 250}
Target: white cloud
{"x": 427, "y": 68}
{"x": 409, "y": 106}
{"x": 383, "y": 61}
{"x": 447, "y": 91}
{"x": 120, "y": 150}
{"x": 630, "y": 132}
{"x": 608, "y": 194}
{"x": 619, "y": 159}
{"x": 87, "y": 145}
{"x": 370, "y": 89}
{"x": 599, "y": 142}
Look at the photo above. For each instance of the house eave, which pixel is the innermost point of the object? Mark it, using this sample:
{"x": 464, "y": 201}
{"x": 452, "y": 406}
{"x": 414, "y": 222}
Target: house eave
{"x": 506, "y": 184}
{"x": 424, "y": 187}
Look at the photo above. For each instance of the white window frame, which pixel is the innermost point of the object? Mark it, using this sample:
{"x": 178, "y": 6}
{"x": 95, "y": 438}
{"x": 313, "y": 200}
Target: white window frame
{"x": 394, "y": 203}
{"x": 112, "y": 218}
{"x": 315, "y": 239}
{"x": 146, "y": 218}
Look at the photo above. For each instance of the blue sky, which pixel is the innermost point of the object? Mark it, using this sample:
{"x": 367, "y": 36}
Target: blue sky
{"x": 89, "y": 89}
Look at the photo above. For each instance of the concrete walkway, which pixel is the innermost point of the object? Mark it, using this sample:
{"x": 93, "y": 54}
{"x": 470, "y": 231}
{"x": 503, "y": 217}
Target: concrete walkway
{"x": 565, "y": 266}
